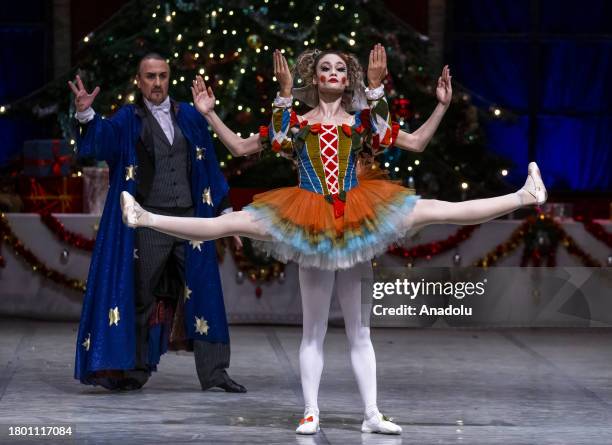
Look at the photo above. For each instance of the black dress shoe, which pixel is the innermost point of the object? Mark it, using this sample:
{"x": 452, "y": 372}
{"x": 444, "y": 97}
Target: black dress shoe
{"x": 129, "y": 384}
{"x": 226, "y": 383}
{"x": 230, "y": 385}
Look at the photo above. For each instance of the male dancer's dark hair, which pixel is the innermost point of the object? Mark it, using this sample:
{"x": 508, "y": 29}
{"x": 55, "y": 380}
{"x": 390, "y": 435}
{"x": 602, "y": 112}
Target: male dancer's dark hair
{"x": 150, "y": 55}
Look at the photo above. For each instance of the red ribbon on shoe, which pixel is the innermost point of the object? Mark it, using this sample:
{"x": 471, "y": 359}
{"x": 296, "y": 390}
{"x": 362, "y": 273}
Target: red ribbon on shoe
{"x": 307, "y": 419}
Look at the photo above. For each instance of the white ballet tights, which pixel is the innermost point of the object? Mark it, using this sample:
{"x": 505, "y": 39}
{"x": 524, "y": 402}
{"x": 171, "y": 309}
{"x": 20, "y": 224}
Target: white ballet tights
{"x": 316, "y": 286}
{"x": 425, "y": 212}
{"x": 204, "y": 229}
{"x": 475, "y": 211}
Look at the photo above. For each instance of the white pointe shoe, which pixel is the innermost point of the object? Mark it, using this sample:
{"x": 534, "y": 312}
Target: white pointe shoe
{"x": 534, "y": 184}
{"x": 308, "y": 425}
{"x": 380, "y": 424}
{"x": 131, "y": 213}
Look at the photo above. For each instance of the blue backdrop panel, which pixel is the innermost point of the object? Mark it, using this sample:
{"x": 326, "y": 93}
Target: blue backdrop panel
{"x": 570, "y": 16}
{"x": 497, "y": 70}
{"x": 575, "y": 153}
{"x": 576, "y": 77}
{"x": 490, "y": 16}
{"x": 573, "y": 141}
{"x": 22, "y": 71}
{"x": 509, "y": 139}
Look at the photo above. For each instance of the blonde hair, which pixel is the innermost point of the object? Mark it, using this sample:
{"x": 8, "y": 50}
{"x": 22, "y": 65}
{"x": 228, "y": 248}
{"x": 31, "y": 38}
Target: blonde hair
{"x": 305, "y": 69}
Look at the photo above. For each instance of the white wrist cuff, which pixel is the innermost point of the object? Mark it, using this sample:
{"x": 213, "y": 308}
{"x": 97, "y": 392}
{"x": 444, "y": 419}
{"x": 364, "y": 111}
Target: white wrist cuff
{"x": 85, "y": 116}
{"x": 282, "y": 102}
{"x": 228, "y": 210}
{"x": 376, "y": 93}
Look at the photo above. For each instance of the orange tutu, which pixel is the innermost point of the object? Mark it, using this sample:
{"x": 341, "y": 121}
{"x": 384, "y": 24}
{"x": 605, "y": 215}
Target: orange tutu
{"x": 307, "y": 229}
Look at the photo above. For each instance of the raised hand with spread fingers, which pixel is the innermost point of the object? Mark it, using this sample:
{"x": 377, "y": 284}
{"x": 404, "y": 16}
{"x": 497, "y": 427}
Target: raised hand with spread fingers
{"x": 204, "y": 101}
{"x": 82, "y": 99}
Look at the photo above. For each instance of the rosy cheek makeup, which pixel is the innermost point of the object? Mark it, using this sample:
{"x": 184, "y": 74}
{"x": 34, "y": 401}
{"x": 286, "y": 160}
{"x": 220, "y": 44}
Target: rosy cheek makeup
{"x": 323, "y": 79}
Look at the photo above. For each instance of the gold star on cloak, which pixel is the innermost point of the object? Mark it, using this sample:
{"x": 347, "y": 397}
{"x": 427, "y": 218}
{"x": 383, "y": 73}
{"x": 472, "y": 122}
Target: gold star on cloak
{"x": 187, "y": 293}
{"x": 196, "y": 244}
{"x": 200, "y": 153}
{"x": 130, "y": 172}
{"x": 87, "y": 342}
{"x": 201, "y": 326}
{"x": 113, "y": 316}
{"x": 206, "y": 198}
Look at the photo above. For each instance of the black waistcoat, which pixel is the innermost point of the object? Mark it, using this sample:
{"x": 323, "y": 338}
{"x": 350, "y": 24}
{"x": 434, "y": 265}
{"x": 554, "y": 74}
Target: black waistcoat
{"x": 164, "y": 169}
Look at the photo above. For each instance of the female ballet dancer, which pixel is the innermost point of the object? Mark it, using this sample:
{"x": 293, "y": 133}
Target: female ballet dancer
{"x": 334, "y": 222}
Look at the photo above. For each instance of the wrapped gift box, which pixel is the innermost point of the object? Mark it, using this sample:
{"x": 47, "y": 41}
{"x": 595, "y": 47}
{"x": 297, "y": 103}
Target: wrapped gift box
{"x": 46, "y": 157}
{"x": 57, "y": 195}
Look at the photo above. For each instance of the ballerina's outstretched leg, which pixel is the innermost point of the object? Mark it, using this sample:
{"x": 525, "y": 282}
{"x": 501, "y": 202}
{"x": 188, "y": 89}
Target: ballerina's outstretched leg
{"x": 197, "y": 229}
{"x": 433, "y": 211}
{"x": 425, "y": 212}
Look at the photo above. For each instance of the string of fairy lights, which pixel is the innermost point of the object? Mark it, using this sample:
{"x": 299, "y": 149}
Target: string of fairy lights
{"x": 205, "y": 39}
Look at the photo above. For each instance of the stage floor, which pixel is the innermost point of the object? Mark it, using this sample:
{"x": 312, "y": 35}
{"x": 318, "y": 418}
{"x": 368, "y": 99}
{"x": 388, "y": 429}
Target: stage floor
{"x": 545, "y": 386}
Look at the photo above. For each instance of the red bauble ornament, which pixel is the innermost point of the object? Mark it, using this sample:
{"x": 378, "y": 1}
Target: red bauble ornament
{"x": 401, "y": 108}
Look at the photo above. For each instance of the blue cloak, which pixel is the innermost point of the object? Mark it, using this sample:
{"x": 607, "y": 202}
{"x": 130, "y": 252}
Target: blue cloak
{"x": 106, "y": 337}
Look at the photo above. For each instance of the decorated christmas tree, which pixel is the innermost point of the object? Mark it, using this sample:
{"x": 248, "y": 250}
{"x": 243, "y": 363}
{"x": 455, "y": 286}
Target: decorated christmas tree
{"x": 230, "y": 43}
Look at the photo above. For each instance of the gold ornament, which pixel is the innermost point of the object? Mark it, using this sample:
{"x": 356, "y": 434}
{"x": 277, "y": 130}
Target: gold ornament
{"x": 113, "y": 316}
{"x": 254, "y": 41}
{"x": 187, "y": 293}
{"x": 201, "y": 326}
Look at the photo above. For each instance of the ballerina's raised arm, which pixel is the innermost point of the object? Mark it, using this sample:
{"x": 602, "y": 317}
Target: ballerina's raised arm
{"x": 204, "y": 101}
{"x": 418, "y": 139}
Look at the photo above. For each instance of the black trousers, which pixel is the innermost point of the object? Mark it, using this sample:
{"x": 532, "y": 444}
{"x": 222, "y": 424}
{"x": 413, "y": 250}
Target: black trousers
{"x": 160, "y": 271}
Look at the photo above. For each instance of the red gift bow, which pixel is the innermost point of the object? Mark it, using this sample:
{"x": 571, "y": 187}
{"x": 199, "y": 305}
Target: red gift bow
{"x": 57, "y": 161}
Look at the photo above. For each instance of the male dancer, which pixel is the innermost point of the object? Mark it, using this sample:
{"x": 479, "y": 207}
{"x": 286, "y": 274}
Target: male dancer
{"x": 145, "y": 289}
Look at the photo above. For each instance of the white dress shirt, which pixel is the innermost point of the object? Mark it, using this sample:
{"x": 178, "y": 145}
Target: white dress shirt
{"x": 160, "y": 112}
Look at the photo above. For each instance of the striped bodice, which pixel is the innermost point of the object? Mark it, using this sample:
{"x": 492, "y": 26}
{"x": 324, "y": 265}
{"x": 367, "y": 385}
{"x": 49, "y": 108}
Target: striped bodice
{"x": 326, "y": 155}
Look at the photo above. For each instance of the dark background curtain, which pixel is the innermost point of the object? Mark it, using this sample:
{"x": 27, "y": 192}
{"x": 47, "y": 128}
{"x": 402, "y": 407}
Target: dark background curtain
{"x": 26, "y": 39}
{"x": 549, "y": 63}
{"x": 24, "y": 67}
